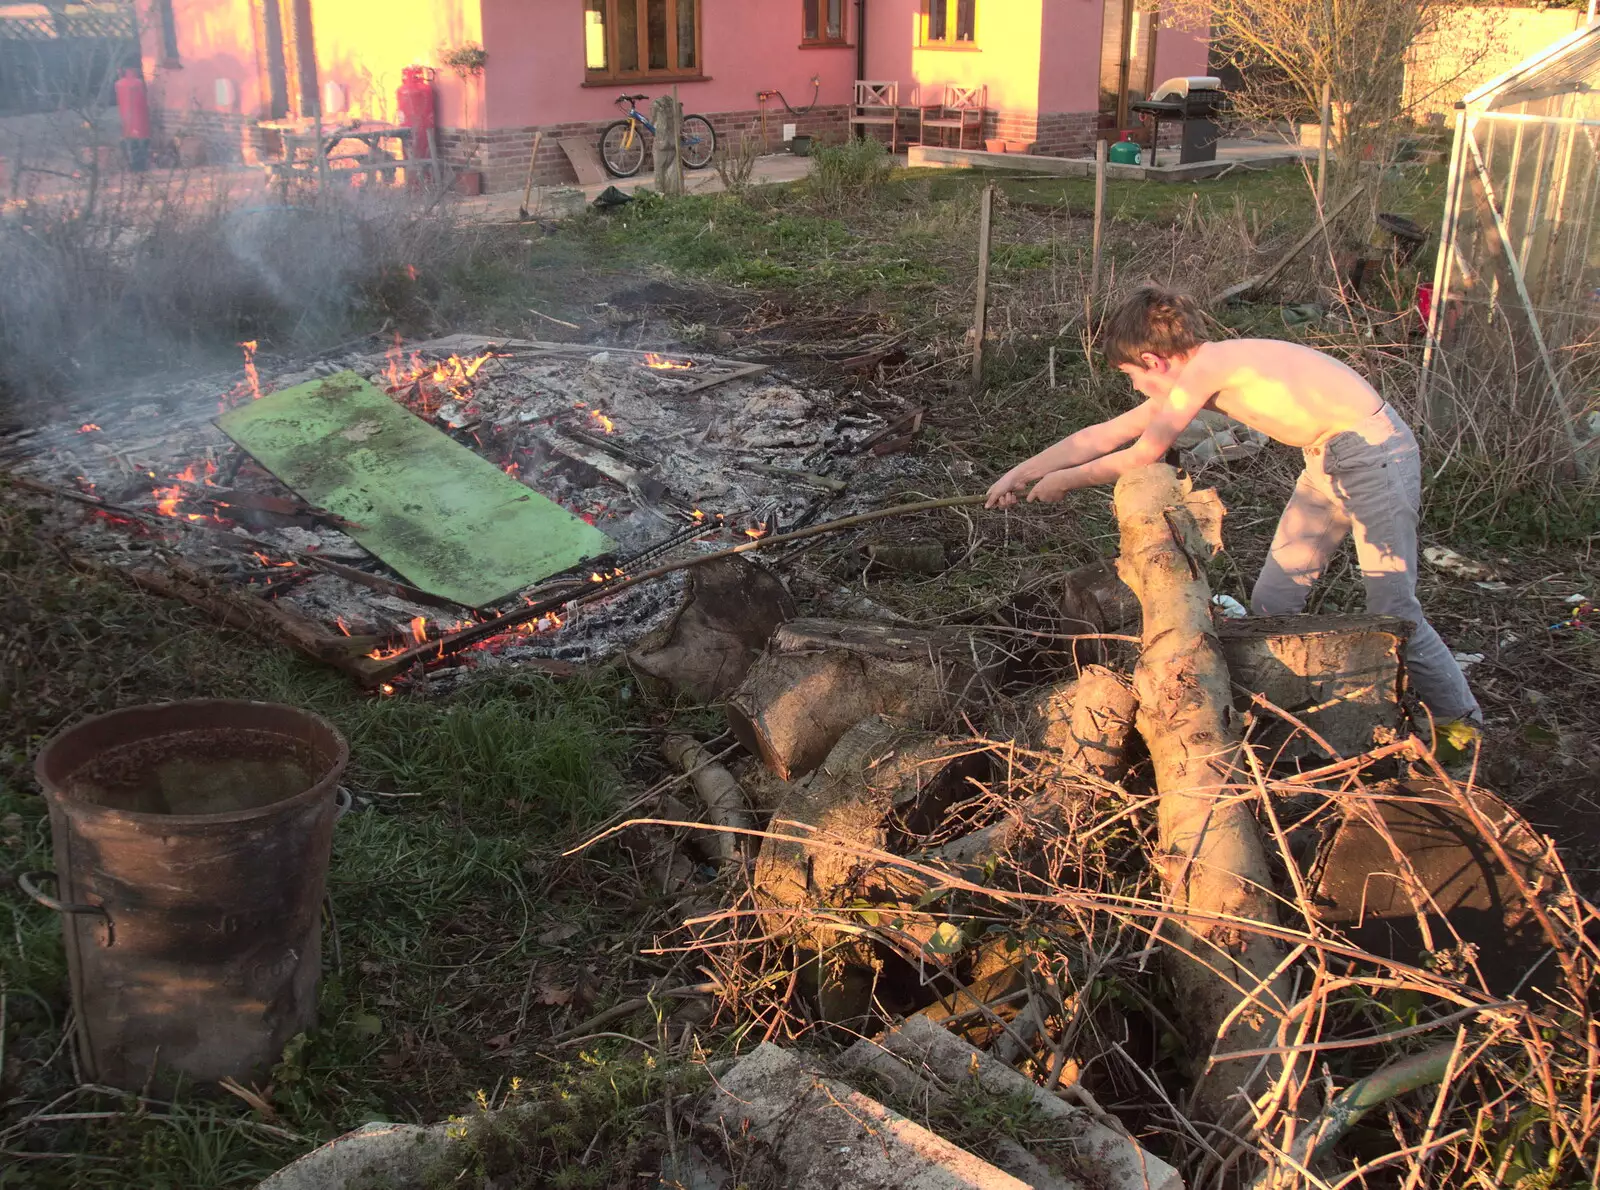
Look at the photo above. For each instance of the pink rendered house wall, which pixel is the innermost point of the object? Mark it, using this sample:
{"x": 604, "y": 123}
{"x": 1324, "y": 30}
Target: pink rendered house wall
{"x": 535, "y": 74}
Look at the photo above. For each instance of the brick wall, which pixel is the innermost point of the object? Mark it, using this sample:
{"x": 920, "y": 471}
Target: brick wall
{"x": 501, "y": 154}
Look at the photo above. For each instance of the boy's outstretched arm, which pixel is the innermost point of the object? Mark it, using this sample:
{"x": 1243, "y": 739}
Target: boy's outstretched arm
{"x": 1169, "y": 417}
{"x": 1091, "y": 442}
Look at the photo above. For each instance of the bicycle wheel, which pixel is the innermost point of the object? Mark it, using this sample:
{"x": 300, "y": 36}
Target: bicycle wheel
{"x": 697, "y": 142}
{"x": 622, "y": 149}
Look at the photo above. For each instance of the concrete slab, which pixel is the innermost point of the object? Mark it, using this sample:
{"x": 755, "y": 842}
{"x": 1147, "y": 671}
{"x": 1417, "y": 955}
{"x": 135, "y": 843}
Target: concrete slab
{"x": 826, "y": 1135}
{"x": 555, "y": 202}
{"x": 1230, "y": 155}
{"x": 1103, "y": 1157}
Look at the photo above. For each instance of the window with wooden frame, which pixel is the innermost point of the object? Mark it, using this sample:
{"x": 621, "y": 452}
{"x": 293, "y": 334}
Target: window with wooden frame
{"x": 950, "y": 23}
{"x": 641, "y": 39}
{"x": 823, "y": 22}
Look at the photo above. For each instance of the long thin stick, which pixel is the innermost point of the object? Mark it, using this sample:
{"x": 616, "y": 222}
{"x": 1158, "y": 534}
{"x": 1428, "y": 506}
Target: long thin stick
{"x": 379, "y": 672}
{"x": 533, "y": 164}
{"x": 981, "y": 311}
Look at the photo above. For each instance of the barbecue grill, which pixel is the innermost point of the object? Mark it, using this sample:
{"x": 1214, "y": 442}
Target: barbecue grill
{"x": 1195, "y": 103}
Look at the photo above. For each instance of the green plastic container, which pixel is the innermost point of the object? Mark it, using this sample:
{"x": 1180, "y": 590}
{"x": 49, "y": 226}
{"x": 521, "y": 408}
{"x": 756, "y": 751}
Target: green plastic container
{"x": 1125, "y": 152}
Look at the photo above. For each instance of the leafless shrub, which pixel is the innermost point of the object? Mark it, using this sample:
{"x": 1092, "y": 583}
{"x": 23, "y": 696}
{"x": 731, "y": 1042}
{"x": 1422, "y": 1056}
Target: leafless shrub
{"x": 735, "y": 162}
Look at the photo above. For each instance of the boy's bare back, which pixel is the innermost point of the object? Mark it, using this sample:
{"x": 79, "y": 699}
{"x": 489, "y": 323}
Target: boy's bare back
{"x": 1291, "y": 393}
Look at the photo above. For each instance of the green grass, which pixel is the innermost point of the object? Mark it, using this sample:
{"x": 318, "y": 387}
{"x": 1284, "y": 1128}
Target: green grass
{"x": 441, "y": 881}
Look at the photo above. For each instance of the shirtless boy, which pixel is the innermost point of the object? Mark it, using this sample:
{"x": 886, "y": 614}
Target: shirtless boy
{"x": 1362, "y": 472}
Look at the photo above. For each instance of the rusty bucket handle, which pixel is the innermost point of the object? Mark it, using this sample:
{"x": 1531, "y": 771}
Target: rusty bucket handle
{"x": 26, "y": 882}
{"x": 343, "y": 801}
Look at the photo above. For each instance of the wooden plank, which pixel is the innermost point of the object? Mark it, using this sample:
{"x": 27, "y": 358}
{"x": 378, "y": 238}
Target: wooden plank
{"x": 448, "y": 520}
{"x": 584, "y": 153}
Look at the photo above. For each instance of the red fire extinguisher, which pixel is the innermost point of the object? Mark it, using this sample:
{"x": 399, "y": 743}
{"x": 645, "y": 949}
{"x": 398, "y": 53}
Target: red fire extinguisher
{"x": 133, "y": 105}
{"x": 415, "y": 102}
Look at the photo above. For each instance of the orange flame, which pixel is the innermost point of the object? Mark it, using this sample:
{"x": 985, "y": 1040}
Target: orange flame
{"x": 662, "y": 363}
{"x": 757, "y": 533}
{"x": 411, "y": 271}
{"x": 250, "y": 373}
{"x": 601, "y": 420}
{"x": 167, "y": 500}
{"x": 343, "y": 627}
{"x": 419, "y": 630}
{"x": 386, "y": 689}
{"x": 88, "y": 428}
{"x": 697, "y": 516}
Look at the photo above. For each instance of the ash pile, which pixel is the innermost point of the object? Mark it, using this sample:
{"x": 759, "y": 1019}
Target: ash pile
{"x": 666, "y": 453}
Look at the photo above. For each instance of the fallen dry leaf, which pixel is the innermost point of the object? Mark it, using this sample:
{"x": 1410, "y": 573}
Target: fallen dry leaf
{"x": 559, "y": 934}
{"x": 553, "y": 996}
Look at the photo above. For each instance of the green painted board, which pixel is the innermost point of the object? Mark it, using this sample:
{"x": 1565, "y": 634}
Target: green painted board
{"x": 448, "y": 520}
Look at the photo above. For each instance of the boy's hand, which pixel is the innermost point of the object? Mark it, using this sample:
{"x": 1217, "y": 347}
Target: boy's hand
{"x": 1051, "y": 488}
{"x": 1004, "y": 492}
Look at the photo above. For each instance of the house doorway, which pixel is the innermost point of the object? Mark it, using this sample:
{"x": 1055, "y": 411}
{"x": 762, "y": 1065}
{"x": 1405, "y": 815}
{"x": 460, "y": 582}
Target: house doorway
{"x": 1127, "y": 61}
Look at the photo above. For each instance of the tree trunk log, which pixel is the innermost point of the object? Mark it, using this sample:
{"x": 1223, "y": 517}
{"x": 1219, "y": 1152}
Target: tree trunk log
{"x": 882, "y": 773}
{"x": 729, "y": 613}
{"x": 1211, "y": 856}
{"x": 1339, "y": 675}
{"x": 1087, "y": 725}
{"x": 819, "y": 677}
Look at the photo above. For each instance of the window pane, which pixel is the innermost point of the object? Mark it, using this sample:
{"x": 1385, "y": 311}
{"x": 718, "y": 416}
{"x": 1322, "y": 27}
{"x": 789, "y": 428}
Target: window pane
{"x": 836, "y": 19}
{"x": 938, "y": 16}
{"x": 656, "y": 31}
{"x": 966, "y": 20}
{"x": 688, "y": 52}
{"x": 594, "y": 35}
{"x": 811, "y": 22}
{"x": 627, "y": 42}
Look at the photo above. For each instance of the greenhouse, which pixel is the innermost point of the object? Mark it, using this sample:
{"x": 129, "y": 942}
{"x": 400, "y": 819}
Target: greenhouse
{"x": 1515, "y": 310}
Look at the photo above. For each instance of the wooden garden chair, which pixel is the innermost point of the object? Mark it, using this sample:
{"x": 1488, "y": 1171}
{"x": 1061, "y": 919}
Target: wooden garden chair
{"x": 961, "y": 108}
{"x": 877, "y": 104}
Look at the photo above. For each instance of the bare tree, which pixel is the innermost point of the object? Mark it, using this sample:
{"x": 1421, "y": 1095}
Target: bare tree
{"x": 1287, "y": 50}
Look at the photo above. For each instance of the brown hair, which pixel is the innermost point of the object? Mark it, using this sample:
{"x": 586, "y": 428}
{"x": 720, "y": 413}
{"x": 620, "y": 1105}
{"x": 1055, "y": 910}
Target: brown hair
{"x": 1153, "y": 319}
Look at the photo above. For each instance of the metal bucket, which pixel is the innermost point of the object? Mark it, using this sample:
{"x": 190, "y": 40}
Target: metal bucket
{"x": 191, "y": 850}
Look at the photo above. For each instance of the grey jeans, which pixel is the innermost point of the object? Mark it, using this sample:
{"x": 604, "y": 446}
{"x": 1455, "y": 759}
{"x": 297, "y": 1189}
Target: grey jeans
{"x": 1367, "y": 480}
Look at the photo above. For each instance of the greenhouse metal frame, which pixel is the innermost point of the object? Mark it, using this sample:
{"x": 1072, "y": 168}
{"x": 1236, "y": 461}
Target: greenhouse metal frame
{"x": 1516, "y": 291}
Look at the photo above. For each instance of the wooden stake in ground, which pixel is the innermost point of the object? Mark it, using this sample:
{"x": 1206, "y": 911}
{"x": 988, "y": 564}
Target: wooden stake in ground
{"x": 1211, "y": 855}
{"x": 1099, "y": 222}
{"x": 981, "y": 312}
{"x": 1322, "y": 149}
{"x": 533, "y": 164}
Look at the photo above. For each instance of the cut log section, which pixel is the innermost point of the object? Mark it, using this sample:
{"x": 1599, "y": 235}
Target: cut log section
{"x": 1087, "y": 602}
{"x": 819, "y": 677}
{"x": 1211, "y": 858}
{"x": 882, "y": 772}
{"x": 729, "y": 612}
{"x": 1339, "y": 675}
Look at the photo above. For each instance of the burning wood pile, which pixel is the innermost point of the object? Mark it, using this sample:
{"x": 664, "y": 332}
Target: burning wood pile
{"x": 666, "y": 455}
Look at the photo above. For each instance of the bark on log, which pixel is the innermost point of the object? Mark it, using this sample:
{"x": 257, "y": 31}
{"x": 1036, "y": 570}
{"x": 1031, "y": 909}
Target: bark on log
{"x": 1211, "y": 855}
{"x": 1339, "y": 675}
{"x": 717, "y": 789}
{"x": 881, "y": 771}
{"x": 1088, "y": 601}
{"x": 818, "y": 677}
{"x": 729, "y": 612}
{"x": 1088, "y": 724}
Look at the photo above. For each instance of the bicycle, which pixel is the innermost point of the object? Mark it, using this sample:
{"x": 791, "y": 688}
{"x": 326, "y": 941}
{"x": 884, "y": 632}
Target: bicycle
{"x": 622, "y": 145}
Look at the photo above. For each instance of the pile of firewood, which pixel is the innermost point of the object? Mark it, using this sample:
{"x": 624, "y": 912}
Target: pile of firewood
{"x": 1122, "y": 676}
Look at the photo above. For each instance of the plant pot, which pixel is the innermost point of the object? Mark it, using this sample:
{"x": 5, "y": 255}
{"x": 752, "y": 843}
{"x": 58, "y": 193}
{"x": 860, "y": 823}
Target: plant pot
{"x": 469, "y": 182}
{"x": 800, "y": 145}
{"x": 994, "y": 146}
{"x": 1019, "y": 146}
